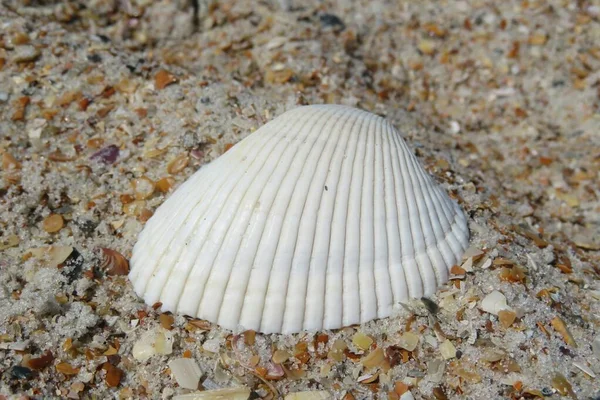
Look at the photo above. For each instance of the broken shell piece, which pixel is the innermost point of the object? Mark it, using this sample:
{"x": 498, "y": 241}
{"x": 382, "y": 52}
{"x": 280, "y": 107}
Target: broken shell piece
{"x": 186, "y": 372}
{"x": 320, "y": 219}
{"x": 596, "y": 347}
{"x": 113, "y": 262}
{"x": 309, "y": 395}
{"x": 494, "y": 303}
{"x": 153, "y": 342}
{"x": 408, "y": 341}
{"x": 447, "y": 350}
{"x": 218, "y": 394}
{"x": 52, "y": 255}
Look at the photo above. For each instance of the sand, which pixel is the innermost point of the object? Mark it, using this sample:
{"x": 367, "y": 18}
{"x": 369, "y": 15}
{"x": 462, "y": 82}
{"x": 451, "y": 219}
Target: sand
{"x": 499, "y": 100}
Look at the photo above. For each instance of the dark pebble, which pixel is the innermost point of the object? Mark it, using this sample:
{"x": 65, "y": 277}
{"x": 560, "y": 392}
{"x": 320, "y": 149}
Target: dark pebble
{"x": 87, "y": 226}
{"x": 330, "y": 20}
{"x": 18, "y": 372}
{"x": 431, "y": 306}
{"x": 72, "y": 266}
{"x": 95, "y": 58}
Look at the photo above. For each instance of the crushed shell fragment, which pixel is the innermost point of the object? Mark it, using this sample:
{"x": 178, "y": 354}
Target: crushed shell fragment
{"x": 320, "y": 219}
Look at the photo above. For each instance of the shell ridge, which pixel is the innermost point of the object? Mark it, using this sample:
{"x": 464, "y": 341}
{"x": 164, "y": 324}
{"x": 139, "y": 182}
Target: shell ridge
{"x": 345, "y": 134}
{"x": 175, "y": 263}
{"x": 422, "y": 258}
{"x": 361, "y": 287}
{"x": 315, "y": 118}
{"x": 241, "y": 191}
{"x": 431, "y": 247}
{"x": 443, "y": 209}
{"x": 200, "y": 209}
{"x": 154, "y": 242}
{"x": 317, "y": 186}
{"x": 292, "y": 250}
{"x": 287, "y": 319}
{"x": 381, "y": 235}
{"x": 347, "y": 201}
{"x": 156, "y": 235}
{"x": 332, "y": 240}
{"x": 422, "y": 233}
{"x": 351, "y": 245}
{"x": 157, "y": 257}
{"x": 368, "y": 206}
{"x": 412, "y": 272}
{"x": 149, "y": 230}
{"x": 450, "y": 208}
{"x": 324, "y": 120}
{"x": 395, "y": 266}
{"x": 401, "y": 208}
{"x": 237, "y": 265}
{"x": 263, "y": 223}
{"x": 329, "y": 121}
{"x": 200, "y": 239}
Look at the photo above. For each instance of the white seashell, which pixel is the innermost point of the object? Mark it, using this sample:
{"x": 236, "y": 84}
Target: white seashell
{"x": 320, "y": 219}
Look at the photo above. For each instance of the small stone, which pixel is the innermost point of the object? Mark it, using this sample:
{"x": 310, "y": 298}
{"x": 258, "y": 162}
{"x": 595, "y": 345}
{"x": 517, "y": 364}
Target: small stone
{"x": 280, "y": 356}
{"x": 26, "y": 54}
{"x": 506, "y": 318}
{"x": 113, "y": 375}
{"x": 331, "y": 20}
{"x": 166, "y": 321}
{"x": 107, "y": 155}
{"x": 143, "y": 187}
{"x": 362, "y": 341}
{"x": 165, "y": 184}
{"x": 178, "y": 164}
{"x": 426, "y": 46}
{"x": 53, "y": 223}
{"x": 18, "y": 372}
{"x": 163, "y": 79}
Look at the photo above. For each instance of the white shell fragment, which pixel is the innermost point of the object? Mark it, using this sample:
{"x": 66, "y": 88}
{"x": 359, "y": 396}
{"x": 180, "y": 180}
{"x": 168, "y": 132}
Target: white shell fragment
{"x": 186, "y": 372}
{"x": 309, "y": 395}
{"x": 494, "y": 302}
{"x": 320, "y": 219}
{"x": 240, "y": 393}
{"x": 153, "y": 342}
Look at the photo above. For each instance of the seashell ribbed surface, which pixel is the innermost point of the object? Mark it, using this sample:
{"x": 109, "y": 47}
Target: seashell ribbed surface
{"x": 320, "y": 219}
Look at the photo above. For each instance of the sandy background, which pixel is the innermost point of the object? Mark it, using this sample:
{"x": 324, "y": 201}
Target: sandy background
{"x": 499, "y": 100}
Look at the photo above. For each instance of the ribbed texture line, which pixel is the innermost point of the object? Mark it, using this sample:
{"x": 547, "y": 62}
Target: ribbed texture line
{"x": 320, "y": 219}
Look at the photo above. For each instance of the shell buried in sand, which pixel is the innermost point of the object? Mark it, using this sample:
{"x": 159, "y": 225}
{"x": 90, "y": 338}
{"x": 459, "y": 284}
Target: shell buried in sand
{"x": 320, "y": 219}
